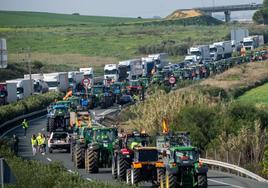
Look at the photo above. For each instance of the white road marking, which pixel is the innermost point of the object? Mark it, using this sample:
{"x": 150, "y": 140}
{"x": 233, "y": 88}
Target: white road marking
{"x": 89, "y": 179}
{"x": 223, "y": 183}
{"x": 5, "y": 133}
{"x": 70, "y": 171}
{"x": 49, "y": 159}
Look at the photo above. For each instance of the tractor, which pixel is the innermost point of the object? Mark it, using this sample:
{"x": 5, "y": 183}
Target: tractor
{"x": 123, "y": 153}
{"x": 58, "y": 117}
{"x": 134, "y": 87}
{"x": 94, "y": 148}
{"x": 145, "y": 166}
{"x": 183, "y": 168}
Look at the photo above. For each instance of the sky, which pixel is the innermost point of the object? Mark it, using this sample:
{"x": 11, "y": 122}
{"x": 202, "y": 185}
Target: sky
{"x": 120, "y": 8}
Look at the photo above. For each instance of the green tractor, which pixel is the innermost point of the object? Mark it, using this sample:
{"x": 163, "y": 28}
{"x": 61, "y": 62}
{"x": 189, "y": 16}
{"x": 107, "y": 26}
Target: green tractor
{"x": 94, "y": 148}
{"x": 183, "y": 168}
{"x": 58, "y": 118}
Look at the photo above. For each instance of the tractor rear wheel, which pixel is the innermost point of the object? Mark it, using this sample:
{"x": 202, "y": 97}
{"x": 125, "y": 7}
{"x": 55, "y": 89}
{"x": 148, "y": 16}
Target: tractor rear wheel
{"x": 171, "y": 180}
{"x": 91, "y": 161}
{"x": 114, "y": 167}
{"x": 135, "y": 176}
{"x": 160, "y": 176}
{"x": 121, "y": 168}
{"x": 72, "y": 150}
{"x": 202, "y": 181}
{"x": 128, "y": 179}
{"x": 79, "y": 156}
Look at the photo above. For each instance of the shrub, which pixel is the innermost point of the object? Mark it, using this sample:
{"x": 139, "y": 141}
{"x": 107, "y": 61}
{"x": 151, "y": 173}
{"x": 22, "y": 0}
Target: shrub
{"x": 28, "y": 105}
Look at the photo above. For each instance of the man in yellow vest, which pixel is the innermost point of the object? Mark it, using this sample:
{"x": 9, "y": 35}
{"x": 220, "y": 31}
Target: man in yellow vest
{"x": 39, "y": 142}
{"x": 34, "y": 144}
{"x": 25, "y": 126}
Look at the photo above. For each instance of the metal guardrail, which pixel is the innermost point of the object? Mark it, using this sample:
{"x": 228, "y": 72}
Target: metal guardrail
{"x": 2, "y": 126}
{"x": 235, "y": 168}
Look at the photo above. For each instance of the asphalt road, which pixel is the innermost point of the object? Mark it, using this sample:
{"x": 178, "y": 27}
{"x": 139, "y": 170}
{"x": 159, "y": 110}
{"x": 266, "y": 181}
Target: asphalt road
{"x": 215, "y": 179}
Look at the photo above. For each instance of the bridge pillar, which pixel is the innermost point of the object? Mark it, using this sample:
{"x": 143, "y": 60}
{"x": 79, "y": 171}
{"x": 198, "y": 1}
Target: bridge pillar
{"x": 227, "y": 14}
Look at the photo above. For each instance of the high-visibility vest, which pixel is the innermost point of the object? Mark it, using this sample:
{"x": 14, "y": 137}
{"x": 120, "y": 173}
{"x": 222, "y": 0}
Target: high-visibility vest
{"x": 39, "y": 140}
{"x": 25, "y": 124}
{"x": 34, "y": 142}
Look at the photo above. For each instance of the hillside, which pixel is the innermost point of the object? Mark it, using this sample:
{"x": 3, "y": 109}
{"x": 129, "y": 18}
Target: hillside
{"x": 184, "y": 14}
{"x": 31, "y": 19}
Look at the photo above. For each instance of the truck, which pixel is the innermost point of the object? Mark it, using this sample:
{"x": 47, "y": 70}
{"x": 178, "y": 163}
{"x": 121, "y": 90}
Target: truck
{"x": 40, "y": 86}
{"x": 191, "y": 58}
{"x": 201, "y": 52}
{"x": 24, "y": 87}
{"x": 216, "y": 52}
{"x": 227, "y": 48}
{"x": 3, "y": 94}
{"x": 88, "y": 73}
{"x": 110, "y": 73}
{"x": 11, "y": 92}
{"x": 57, "y": 81}
{"x": 252, "y": 42}
{"x": 237, "y": 36}
{"x": 134, "y": 68}
{"x": 148, "y": 65}
{"x": 160, "y": 59}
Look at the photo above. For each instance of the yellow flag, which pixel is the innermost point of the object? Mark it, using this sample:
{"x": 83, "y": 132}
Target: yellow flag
{"x": 165, "y": 125}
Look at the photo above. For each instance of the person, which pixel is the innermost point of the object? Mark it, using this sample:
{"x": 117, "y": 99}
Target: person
{"x": 39, "y": 142}
{"x": 16, "y": 144}
{"x": 184, "y": 157}
{"x": 34, "y": 144}
{"x": 134, "y": 144}
{"x": 43, "y": 144}
{"x": 25, "y": 126}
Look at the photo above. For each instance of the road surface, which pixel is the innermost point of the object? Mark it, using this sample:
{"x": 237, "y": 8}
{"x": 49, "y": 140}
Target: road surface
{"x": 215, "y": 179}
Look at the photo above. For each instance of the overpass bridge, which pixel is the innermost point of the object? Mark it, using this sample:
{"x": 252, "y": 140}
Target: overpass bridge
{"x": 228, "y": 9}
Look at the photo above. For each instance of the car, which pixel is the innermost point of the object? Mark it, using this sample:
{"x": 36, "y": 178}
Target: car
{"x": 125, "y": 99}
{"x": 59, "y": 141}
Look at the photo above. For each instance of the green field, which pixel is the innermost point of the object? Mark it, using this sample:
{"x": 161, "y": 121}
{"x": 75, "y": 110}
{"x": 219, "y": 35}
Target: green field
{"x": 257, "y": 95}
{"x": 77, "y": 41}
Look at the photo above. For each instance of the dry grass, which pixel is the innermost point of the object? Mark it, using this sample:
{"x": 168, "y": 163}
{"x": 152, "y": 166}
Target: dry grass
{"x": 72, "y": 60}
{"x": 242, "y": 75}
{"x": 184, "y": 14}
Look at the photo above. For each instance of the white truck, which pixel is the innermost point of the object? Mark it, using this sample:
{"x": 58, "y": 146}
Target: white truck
{"x": 252, "y": 42}
{"x": 57, "y": 81}
{"x": 75, "y": 77}
{"x": 111, "y": 73}
{"x": 216, "y": 52}
{"x": 227, "y": 48}
{"x": 237, "y": 36}
{"x": 88, "y": 73}
{"x": 24, "y": 87}
{"x": 40, "y": 86}
{"x": 160, "y": 59}
{"x": 201, "y": 52}
{"x": 11, "y": 92}
{"x": 148, "y": 64}
{"x": 191, "y": 58}
{"x": 133, "y": 68}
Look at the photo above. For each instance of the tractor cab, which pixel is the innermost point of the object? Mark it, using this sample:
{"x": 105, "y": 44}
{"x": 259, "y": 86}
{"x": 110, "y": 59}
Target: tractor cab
{"x": 58, "y": 118}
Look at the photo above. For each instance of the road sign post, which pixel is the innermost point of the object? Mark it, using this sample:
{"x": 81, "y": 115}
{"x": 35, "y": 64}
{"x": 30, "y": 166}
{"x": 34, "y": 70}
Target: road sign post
{"x": 86, "y": 83}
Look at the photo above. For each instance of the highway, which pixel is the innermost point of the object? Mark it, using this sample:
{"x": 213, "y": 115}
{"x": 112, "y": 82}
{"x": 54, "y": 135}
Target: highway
{"x": 215, "y": 179}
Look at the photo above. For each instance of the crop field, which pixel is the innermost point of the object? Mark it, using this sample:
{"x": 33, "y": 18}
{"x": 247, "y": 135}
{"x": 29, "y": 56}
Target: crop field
{"x": 257, "y": 95}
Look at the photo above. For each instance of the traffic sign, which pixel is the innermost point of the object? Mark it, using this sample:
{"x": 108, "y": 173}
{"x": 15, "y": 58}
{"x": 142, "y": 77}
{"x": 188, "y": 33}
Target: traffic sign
{"x": 172, "y": 80}
{"x": 86, "y": 82}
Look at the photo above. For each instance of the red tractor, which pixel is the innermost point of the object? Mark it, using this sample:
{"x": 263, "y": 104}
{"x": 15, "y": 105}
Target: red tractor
{"x": 124, "y": 153}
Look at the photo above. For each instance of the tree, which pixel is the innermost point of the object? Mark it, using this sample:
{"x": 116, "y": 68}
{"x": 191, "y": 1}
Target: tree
{"x": 261, "y": 16}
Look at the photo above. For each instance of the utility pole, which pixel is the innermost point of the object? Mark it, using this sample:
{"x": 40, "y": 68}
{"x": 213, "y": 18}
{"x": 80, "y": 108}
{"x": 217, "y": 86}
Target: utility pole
{"x": 30, "y": 70}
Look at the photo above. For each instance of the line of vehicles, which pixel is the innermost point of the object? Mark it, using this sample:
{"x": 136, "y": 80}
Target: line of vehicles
{"x": 171, "y": 162}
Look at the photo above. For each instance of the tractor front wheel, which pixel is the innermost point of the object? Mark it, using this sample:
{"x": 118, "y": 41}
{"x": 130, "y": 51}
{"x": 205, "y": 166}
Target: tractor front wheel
{"x": 51, "y": 126}
{"x": 135, "y": 176}
{"x": 171, "y": 181}
{"x": 202, "y": 181}
{"x": 160, "y": 177}
{"x": 121, "y": 168}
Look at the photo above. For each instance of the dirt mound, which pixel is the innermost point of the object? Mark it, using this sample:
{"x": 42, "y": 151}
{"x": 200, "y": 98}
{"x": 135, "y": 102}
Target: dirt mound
{"x": 184, "y": 14}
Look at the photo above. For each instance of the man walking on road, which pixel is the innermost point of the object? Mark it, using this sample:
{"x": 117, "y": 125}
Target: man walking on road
{"x": 25, "y": 126}
{"x": 15, "y": 144}
{"x": 34, "y": 144}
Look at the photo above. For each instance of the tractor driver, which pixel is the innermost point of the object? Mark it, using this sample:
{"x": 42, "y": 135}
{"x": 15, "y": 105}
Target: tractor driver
{"x": 184, "y": 157}
{"x": 135, "y": 143}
